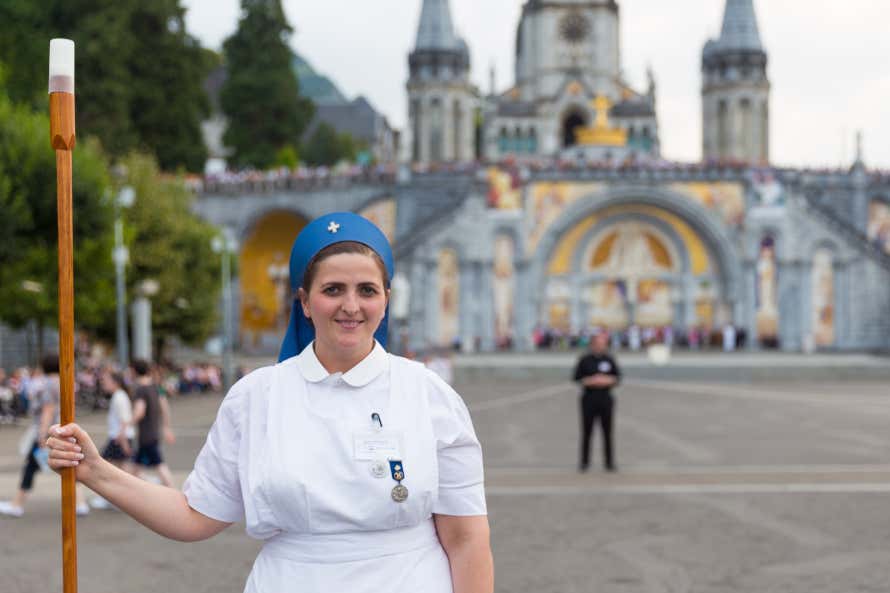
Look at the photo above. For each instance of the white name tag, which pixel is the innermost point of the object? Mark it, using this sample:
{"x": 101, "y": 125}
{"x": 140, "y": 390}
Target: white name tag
{"x": 377, "y": 444}
{"x": 604, "y": 366}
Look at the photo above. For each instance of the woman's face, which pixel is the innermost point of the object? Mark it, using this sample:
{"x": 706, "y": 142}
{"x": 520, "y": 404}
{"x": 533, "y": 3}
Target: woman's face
{"x": 346, "y": 303}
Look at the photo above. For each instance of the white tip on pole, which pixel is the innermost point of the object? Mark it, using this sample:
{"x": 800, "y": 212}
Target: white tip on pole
{"x": 61, "y": 66}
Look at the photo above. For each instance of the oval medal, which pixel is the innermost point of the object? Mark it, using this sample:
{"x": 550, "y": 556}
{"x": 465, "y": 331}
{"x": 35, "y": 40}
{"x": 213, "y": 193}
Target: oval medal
{"x": 399, "y": 493}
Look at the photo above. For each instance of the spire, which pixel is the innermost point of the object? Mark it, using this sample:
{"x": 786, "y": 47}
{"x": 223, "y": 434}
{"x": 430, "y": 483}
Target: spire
{"x": 436, "y": 30}
{"x": 859, "y": 163}
{"x": 740, "y": 26}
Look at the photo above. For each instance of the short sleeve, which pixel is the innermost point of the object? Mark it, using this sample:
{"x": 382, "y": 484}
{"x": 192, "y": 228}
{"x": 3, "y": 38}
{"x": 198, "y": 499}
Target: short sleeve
{"x": 213, "y": 488}
{"x": 122, "y": 406}
{"x": 49, "y": 395}
{"x": 461, "y": 476}
{"x": 579, "y": 370}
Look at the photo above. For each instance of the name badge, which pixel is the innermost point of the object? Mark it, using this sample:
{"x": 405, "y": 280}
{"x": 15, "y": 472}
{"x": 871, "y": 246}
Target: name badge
{"x": 377, "y": 444}
{"x": 604, "y": 366}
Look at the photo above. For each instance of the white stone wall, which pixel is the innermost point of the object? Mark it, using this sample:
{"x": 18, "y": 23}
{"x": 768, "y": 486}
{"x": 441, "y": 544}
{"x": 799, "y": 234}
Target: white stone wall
{"x": 747, "y": 137}
{"x": 457, "y": 143}
{"x": 546, "y": 57}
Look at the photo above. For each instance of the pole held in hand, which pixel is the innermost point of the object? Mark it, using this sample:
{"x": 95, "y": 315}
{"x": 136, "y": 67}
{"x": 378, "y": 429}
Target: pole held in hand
{"x": 61, "y": 133}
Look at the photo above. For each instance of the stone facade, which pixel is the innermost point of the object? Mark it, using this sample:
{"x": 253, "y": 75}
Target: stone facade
{"x": 493, "y": 254}
{"x": 709, "y": 223}
{"x": 735, "y": 90}
{"x": 441, "y": 100}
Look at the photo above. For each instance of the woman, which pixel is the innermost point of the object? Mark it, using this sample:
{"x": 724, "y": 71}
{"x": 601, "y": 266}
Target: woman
{"x": 121, "y": 430}
{"x": 359, "y": 469}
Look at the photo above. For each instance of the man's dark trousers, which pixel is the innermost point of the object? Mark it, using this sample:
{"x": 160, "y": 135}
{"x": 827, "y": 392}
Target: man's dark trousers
{"x": 593, "y": 406}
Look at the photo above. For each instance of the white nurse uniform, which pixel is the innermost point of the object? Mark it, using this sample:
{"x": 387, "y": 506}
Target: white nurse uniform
{"x": 295, "y": 453}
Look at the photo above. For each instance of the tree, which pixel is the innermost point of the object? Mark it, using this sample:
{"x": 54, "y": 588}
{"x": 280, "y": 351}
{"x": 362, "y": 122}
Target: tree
{"x": 28, "y": 227}
{"x": 139, "y": 75}
{"x": 104, "y": 46}
{"x": 24, "y": 34}
{"x": 171, "y": 245}
{"x": 168, "y": 101}
{"x": 261, "y": 96}
{"x": 326, "y": 147}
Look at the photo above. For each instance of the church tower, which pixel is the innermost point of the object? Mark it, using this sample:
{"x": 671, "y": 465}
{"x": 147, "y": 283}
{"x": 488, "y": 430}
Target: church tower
{"x": 735, "y": 90}
{"x": 441, "y": 99}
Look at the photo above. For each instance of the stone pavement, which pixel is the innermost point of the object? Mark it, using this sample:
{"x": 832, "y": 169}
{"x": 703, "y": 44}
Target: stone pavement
{"x": 724, "y": 487}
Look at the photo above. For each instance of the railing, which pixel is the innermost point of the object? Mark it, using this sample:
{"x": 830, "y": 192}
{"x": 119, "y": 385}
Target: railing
{"x": 261, "y": 182}
{"x": 875, "y": 252}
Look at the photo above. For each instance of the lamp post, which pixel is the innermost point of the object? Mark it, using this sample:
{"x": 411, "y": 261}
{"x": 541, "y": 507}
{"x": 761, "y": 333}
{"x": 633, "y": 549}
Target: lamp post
{"x": 142, "y": 338}
{"x": 225, "y": 246}
{"x": 121, "y": 256}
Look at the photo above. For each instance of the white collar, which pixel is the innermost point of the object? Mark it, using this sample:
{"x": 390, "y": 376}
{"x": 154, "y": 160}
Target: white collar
{"x": 360, "y": 375}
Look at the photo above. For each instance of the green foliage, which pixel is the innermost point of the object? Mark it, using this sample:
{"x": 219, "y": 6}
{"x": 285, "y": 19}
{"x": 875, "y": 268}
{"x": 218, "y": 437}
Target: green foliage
{"x": 28, "y": 226}
{"x": 170, "y": 244}
{"x": 261, "y": 96}
{"x": 287, "y": 157}
{"x": 326, "y": 147}
{"x": 138, "y": 74}
{"x": 24, "y": 42}
{"x": 167, "y": 72}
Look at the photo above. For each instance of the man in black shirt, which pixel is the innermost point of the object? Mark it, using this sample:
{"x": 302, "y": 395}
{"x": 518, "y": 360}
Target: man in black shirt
{"x": 597, "y": 372}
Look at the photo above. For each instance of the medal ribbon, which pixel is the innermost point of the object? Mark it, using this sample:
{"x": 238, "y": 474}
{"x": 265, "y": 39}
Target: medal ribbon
{"x": 397, "y": 470}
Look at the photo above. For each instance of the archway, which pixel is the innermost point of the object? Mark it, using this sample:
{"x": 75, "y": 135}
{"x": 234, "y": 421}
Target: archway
{"x": 263, "y": 273}
{"x": 572, "y": 121}
{"x": 704, "y": 268}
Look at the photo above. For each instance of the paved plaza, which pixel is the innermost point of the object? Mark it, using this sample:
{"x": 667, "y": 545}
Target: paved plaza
{"x": 724, "y": 487}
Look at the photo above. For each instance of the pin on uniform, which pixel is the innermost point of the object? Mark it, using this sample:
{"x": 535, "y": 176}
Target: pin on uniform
{"x": 397, "y": 469}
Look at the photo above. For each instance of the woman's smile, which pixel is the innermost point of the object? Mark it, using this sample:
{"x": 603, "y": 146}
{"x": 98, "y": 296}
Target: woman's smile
{"x": 346, "y": 303}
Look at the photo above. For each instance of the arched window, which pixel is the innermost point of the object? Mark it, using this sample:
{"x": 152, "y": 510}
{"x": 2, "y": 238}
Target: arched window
{"x": 533, "y": 141}
{"x": 436, "y": 138}
{"x": 518, "y": 140}
{"x": 747, "y": 127}
{"x": 722, "y": 129}
{"x": 764, "y": 132}
{"x": 416, "y": 120}
{"x": 504, "y": 141}
{"x": 457, "y": 133}
{"x": 572, "y": 121}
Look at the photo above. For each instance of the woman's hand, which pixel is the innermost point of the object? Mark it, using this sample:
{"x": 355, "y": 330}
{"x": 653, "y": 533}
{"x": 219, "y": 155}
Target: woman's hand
{"x": 71, "y": 446}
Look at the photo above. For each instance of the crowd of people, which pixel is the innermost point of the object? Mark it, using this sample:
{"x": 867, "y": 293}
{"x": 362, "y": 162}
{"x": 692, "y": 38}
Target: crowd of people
{"x": 727, "y": 338}
{"x": 301, "y": 177}
{"x": 19, "y": 387}
{"x": 138, "y": 417}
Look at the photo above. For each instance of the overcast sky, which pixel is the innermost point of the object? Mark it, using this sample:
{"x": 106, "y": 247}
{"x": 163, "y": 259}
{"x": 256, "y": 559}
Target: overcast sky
{"x": 829, "y": 62}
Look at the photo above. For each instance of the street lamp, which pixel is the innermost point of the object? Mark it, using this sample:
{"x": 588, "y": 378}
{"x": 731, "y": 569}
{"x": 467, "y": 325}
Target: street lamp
{"x": 225, "y": 245}
{"x": 142, "y": 338}
{"x": 121, "y": 256}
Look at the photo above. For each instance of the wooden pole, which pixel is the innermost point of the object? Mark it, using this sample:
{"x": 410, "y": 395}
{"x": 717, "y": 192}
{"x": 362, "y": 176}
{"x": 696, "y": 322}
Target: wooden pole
{"x": 61, "y": 124}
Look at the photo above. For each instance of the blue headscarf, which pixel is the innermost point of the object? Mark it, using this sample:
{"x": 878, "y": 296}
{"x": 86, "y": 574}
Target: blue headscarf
{"x": 326, "y": 230}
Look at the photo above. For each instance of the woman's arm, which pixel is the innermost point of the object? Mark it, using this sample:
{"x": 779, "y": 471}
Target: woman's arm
{"x": 163, "y": 510}
{"x": 466, "y": 541}
{"x": 47, "y": 413}
{"x": 166, "y": 425}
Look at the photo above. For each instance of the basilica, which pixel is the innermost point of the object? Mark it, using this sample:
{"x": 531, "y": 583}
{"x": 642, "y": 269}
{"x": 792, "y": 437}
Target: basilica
{"x": 584, "y": 223}
{"x": 548, "y": 207}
